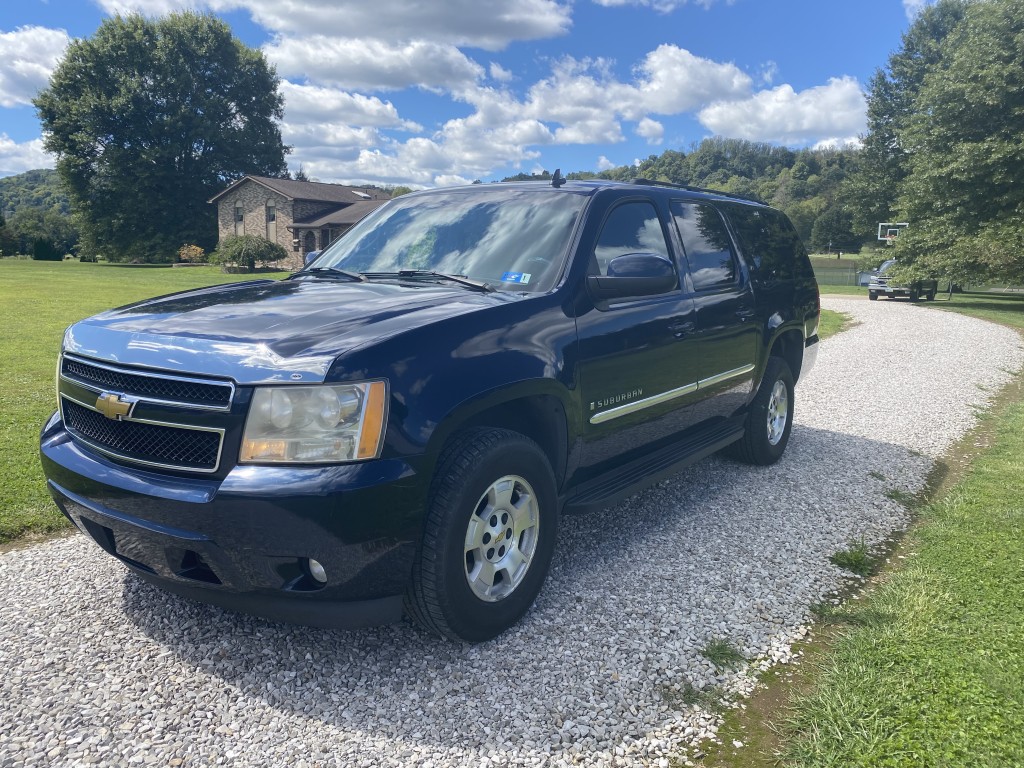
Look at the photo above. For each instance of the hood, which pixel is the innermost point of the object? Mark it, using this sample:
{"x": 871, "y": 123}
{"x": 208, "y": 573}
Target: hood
{"x": 267, "y": 331}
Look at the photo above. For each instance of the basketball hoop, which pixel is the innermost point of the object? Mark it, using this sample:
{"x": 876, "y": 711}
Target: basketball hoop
{"x": 890, "y": 240}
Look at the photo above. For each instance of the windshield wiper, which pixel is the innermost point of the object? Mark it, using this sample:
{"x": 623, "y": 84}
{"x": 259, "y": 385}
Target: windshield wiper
{"x": 460, "y": 279}
{"x": 331, "y": 272}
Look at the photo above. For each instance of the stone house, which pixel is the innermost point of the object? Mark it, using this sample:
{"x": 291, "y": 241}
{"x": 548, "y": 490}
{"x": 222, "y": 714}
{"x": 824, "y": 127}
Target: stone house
{"x": 301, "y": 216}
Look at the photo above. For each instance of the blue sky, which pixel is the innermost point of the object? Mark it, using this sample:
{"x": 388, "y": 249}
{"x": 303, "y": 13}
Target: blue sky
{"x": 434, "y": 93}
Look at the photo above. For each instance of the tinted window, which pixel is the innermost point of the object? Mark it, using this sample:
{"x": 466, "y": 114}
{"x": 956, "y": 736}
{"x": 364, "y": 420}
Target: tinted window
{"x": 706, "y": 243}
{"x": 630, "y": 228}
{"x": 768, "y": 241}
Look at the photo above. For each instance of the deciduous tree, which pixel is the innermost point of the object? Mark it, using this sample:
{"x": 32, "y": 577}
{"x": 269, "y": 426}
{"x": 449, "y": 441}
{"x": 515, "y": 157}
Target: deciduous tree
{"x": 883, "y": 163}
{"x": 151, "y": 118}
{"x": 963, "y": 197}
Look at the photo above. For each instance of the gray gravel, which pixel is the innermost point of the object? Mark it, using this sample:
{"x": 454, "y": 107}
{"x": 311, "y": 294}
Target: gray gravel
{"x": 104, "y": 669}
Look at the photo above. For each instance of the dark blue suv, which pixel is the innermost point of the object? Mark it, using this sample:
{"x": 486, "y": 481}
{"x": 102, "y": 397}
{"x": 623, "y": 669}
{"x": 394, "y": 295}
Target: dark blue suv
{"x": 399, "y": 426}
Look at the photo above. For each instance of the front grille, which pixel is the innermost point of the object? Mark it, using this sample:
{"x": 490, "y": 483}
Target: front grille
{"x": 174, "y": 447}
{"x": 159, "y": 387}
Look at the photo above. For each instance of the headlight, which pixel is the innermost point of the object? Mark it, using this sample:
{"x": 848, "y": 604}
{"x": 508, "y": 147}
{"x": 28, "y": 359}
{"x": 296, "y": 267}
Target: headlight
{"x": 315, "y": 424}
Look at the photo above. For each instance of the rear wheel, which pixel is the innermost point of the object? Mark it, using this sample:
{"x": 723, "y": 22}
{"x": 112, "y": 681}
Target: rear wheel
{"x": 489, "y": 536}
{"x": 770, "y": 418}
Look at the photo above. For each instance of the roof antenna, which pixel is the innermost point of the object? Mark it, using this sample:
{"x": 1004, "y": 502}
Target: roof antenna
{"x": 557, "y": 180}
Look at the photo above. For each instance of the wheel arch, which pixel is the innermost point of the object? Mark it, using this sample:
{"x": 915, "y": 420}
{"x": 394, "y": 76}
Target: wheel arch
{"x": 789, "y": 345}
{"x": 540, "y": 416}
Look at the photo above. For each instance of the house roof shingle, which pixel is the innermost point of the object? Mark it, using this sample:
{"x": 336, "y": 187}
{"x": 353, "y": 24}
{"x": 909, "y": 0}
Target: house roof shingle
{"x": 349, "y": 214}
{"x": 310, "y": 190}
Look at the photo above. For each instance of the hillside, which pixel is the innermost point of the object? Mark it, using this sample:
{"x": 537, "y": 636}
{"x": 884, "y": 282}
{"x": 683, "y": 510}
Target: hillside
{"x": 41, "y": 188}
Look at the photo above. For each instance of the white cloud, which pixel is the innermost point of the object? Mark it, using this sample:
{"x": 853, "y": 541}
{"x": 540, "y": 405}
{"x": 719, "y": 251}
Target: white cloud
{"x": 28, "y": 56}
{"x": 488, "y": 24}
{"x": 18, "y": 158}
{"x": 914, "y": 7}
{"x": 581, "y": 102}
{"x": 673, "y": 80}
{"x": 785, "y": 116}
{"x": 499, "y": 73}
{"x": 768, "y": 72}
{"x": 373, "y": 64}
{"x": 661, "y": 6}
{"x": 651, "y": 130}
{"x": 604, "y": 164}
{"x": 315, "y": 104}
{"x": 848, "y": 142}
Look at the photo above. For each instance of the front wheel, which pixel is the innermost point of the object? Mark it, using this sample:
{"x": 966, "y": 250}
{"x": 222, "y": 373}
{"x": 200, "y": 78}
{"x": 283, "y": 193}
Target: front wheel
{"x": 770, "y": 418}
{"x": 872, "y": 296}
{"x": 489, "y": 536}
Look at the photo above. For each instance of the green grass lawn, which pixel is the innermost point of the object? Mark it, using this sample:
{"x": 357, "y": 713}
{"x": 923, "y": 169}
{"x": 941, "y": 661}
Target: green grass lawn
{"x": 1004, "y": 308}
{"x": 931, "y": 670}
{"x": 843, "y": 290}
{"x": 38, "y": 300}
{"x": 832, "y": 323}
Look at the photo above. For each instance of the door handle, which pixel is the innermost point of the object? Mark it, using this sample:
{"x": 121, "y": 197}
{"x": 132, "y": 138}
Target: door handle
{"x": 745, "y": 314}
{"x": 679, "y": 330}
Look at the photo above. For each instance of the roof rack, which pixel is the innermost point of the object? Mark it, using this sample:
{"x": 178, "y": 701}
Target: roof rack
{"x": 688, "y": 188}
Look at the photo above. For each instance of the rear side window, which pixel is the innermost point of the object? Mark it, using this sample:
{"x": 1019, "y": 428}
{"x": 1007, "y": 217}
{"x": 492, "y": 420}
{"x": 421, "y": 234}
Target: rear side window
{"x": 630, "y": 228}
{"x": 707, "y": 245}
{"x": 768, "y": 240}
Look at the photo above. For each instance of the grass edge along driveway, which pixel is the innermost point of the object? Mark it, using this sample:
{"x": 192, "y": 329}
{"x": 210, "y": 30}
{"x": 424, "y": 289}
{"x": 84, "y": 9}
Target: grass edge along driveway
{"x": 930, "y": 669}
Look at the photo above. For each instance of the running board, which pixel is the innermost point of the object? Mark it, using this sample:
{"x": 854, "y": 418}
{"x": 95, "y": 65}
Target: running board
{"x": 647, "y": 470}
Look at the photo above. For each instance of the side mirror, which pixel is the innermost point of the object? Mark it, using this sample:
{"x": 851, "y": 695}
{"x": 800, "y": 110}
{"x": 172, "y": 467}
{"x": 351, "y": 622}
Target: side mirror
{"x": 634, "y": 274}
{"x": 310, "y": 258}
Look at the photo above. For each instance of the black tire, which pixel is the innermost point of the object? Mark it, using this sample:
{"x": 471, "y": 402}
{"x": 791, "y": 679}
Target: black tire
{"x": 872, "y": 296}
{"x": 757, "y": 446}
{"x": 440, "y": 597}
{"x": 913, "y": 295}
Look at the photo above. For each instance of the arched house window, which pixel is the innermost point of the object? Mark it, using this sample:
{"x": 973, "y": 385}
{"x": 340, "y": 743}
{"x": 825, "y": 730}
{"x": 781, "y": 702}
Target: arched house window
{"x": 271, "y": 210}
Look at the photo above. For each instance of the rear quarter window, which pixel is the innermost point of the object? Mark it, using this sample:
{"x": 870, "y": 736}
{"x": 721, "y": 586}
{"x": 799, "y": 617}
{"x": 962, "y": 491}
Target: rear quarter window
{"x": 770, "y": 244}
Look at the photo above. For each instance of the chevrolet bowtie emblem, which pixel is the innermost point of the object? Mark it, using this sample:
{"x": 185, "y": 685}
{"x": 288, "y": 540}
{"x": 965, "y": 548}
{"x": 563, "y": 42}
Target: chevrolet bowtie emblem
{"x": 112, "y": 406}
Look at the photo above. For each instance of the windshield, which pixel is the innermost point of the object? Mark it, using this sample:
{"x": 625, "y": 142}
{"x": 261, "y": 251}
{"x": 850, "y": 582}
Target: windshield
{"x": 886, "y": 266}
{"x": 513, "y": 239}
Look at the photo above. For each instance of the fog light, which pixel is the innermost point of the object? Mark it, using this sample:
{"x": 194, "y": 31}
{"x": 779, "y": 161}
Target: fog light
{"x": 316, "y": 571}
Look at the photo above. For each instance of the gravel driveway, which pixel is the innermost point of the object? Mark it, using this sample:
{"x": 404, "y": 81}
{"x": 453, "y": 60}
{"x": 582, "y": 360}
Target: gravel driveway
{"x": 101, "y": 668}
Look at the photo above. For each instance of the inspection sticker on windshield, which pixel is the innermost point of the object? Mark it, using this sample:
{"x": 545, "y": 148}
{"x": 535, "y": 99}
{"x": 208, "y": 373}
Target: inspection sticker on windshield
{"x": 516, "y": 277}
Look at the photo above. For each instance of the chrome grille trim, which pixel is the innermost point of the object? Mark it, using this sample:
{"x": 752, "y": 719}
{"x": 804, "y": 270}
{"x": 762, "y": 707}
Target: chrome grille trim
{"x": 137, "y": 376}
{"x": 150, "y": 422}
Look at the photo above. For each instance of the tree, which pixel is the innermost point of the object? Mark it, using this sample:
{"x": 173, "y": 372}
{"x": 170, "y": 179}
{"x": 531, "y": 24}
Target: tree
{"x": 247, "y": 251}
{"x": 884, "y": 162}
{"x": 43, "y": 249}
{"x": 28, "y": 225}
{"x": 8, "y": 245}
{"x": 148, "y": 120}
{"x": 833, "y": 231}
{"x": 964, "y": 198}
{"x": 300, "y": 175}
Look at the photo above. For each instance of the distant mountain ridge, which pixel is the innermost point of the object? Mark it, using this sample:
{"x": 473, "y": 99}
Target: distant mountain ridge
{"x": 41, "y": 188}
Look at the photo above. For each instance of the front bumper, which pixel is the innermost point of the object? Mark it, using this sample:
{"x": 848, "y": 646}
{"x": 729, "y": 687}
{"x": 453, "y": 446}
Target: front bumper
{"x": 244, "y": 542}
{"x": 888, "y": 291}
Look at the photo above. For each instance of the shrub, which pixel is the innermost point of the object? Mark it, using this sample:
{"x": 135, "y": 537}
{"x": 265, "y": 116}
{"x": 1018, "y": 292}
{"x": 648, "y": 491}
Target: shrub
{"x": 43, "y": 249}
{"x": 191, "y": 254}
{"x": 248, "y": 251}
